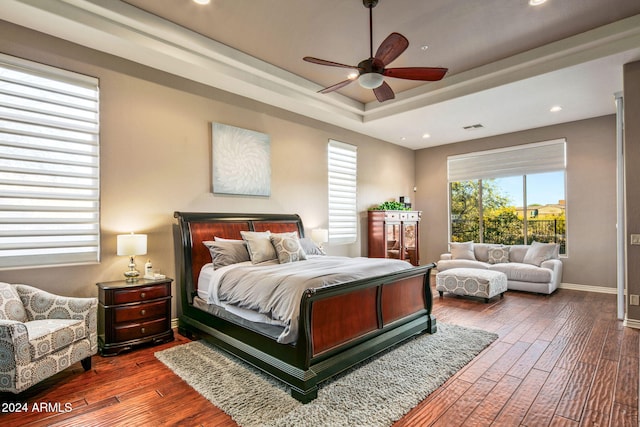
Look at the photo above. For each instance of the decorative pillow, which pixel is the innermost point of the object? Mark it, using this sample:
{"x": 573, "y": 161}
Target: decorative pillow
{"x": 499, "y": 255}
{"x": 288, "y": 247}
{"x": 539, "y": 252}
{"x": 227, "y": 252}
{"x": 259, "y": 244}
{"x": 310, "y": 247}
{"x": 462, "y": 250}
{"x": 11, "y": 307}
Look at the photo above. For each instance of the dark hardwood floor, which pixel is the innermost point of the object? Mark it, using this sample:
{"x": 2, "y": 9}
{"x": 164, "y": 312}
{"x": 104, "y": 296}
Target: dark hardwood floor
{"x": 562, "y": 360}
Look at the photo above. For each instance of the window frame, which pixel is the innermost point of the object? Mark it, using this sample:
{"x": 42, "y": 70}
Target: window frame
{"x": 49, "y": 166}
{"x": 342, "y": 168}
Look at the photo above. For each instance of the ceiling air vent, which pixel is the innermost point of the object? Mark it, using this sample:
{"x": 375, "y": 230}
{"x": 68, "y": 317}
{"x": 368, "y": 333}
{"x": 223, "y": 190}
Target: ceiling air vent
{"x": 472, "y": 127}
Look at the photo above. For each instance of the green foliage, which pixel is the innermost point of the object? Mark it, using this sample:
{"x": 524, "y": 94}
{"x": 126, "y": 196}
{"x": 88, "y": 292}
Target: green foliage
{"x": 390, "y": 206}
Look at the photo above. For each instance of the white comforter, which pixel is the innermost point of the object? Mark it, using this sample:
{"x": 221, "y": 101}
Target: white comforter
{"x": 275, "y": 290}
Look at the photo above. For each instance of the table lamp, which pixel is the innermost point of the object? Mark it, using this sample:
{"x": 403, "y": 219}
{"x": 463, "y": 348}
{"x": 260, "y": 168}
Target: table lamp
{"x": 320, "y": 236}
{"x": 131, "y": 245}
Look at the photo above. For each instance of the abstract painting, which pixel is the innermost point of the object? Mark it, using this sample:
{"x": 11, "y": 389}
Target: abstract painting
{"x": 241, "y": 161}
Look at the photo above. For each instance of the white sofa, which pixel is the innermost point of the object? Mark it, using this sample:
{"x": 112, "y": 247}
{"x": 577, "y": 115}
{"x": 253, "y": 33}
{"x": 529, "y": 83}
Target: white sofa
{"x": 533, "y": 268}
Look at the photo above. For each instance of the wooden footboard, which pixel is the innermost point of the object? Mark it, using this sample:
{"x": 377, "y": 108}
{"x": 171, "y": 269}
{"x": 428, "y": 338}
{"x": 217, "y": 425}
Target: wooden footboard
{"x": 339, "y": 325}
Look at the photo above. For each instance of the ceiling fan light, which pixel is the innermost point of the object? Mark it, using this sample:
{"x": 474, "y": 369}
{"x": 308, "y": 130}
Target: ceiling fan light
{"x": 371, "y": 80}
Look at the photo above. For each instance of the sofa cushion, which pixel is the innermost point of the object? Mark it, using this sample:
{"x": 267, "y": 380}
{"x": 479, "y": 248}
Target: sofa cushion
{"x": 11, "y": 307}
{"x": 50, "y": 335}
{"x": 539, "y": 252}
{"x": 498, "y": 255}
{"x": 461, "y": 263}
{"x": 517, "y": 252}
{"x": 524, "y": 272}
{"x": 481, "y": 250}
{"x": 462, "y": 250}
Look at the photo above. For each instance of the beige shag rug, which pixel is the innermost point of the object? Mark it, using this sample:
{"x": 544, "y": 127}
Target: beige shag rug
{"x": 375, "y": 393}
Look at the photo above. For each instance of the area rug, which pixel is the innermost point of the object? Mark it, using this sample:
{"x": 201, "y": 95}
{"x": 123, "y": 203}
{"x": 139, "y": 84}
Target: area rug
{"x": 374, "y": 393}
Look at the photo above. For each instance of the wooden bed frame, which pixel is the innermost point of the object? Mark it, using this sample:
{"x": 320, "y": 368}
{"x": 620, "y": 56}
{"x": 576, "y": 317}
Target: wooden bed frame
{"x": 339, "y": 325}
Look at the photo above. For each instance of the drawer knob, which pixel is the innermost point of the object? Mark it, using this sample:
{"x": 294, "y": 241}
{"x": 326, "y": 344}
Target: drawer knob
{"x": 143, "y": 312}
{"x": 142, "y": 295}
{"x": 142, "y": 330}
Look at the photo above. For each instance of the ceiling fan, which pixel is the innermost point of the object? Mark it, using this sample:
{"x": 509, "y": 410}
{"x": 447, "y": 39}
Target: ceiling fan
{"x": 371, "y": 71}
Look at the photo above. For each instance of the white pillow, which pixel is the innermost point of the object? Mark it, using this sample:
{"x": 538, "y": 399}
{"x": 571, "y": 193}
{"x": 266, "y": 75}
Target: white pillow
{"x": 462, "y": 250}
{"x": 259, "y": 245}
{"x": 539, "y": 252}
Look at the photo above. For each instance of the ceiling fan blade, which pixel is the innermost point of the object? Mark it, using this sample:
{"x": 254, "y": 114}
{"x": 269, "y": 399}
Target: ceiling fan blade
{"x": 384, "y": 92}
{"x": 391, "y": 48}
{"x": 430, "y": 74}
{"x": 335, "y": 86}
{"x": 325, "y": 62}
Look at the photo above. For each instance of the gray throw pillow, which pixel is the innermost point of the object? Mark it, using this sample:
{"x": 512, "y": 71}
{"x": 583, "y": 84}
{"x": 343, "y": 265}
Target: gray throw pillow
{"x": 462, "y": 250}
{"x": 11, "y": 307}
{"x": 227, "y": 252}
{"x": 288, "y": 248}
{"x": 499, "y": 255}
{"x": 259, "y": 244}
{"x": 539, "y": 252}
{"x": 310, "y": 247}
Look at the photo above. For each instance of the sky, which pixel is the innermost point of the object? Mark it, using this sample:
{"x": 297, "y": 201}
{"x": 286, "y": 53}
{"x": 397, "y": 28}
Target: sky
{"x": 542, "y": 189}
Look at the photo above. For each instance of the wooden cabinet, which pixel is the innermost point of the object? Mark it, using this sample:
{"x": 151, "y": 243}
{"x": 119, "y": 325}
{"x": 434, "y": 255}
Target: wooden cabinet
{"x": 130, "y": 314}
{"x": 394, "y": 234}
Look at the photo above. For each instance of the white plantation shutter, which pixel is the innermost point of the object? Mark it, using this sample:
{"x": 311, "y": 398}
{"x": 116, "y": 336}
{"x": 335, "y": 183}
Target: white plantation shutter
{"x": 49, "y": 166}
{"x": 343, "y": 215}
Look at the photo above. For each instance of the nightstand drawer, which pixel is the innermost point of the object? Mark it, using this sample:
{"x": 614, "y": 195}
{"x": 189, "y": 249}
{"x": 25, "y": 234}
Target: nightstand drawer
{"x": 134, "y": 331}
{"x": 140, "y": 312}
{"x": 140, "y": 294}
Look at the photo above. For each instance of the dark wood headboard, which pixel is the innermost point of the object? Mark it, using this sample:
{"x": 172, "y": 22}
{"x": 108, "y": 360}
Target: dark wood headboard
{"x": 196, "y": 227}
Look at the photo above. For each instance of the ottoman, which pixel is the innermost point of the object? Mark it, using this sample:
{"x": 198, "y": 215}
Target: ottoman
{"x": 472, "y": 281}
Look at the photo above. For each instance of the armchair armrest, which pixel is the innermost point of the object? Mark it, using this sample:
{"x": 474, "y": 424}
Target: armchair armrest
{"x": 445, "y": 256}
{"x": 14, "y": 345}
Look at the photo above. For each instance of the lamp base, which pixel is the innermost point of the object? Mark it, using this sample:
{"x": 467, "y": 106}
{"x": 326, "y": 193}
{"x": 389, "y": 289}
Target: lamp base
{"x": 132, "y": 274}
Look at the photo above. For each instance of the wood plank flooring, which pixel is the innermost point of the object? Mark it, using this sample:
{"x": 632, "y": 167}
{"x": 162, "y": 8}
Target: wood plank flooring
{"x": 562, "y": 360}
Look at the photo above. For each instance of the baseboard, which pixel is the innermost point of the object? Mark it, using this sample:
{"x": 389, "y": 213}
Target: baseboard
{"x": 589, "y": 288}
{"x": 631, "y": 323}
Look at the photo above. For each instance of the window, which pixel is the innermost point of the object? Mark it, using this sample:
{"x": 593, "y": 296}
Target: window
{"x": 509, "y": 196}
{"x": 343, "y": 215}
{"x": 49, "y": 166}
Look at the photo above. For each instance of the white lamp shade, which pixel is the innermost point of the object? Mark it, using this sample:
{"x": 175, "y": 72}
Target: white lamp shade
{"x": 132, "y": 244}
{"x": 320, "y": 235}
{"x": 371, "y": 80}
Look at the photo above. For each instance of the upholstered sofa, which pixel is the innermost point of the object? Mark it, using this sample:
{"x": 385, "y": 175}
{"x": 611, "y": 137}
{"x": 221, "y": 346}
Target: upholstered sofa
{"x": 42, "y": 334}
{"x": 533, "y": 268}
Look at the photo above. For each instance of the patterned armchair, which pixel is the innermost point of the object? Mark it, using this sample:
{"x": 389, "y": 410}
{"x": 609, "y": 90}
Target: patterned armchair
{"x": 42, "y": 334}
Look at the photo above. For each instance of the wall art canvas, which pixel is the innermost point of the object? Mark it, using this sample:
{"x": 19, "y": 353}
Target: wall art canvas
{"x": 241, "y": 161}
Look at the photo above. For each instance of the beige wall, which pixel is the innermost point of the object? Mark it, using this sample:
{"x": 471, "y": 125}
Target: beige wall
{"x": 156, "y": 158}
{"x": 591, "y": 197}
{"x": 632, "y": 179}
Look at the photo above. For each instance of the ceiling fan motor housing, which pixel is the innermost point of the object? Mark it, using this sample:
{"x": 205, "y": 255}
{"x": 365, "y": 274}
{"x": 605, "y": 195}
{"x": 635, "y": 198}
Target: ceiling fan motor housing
{"x": 370, "y": 4}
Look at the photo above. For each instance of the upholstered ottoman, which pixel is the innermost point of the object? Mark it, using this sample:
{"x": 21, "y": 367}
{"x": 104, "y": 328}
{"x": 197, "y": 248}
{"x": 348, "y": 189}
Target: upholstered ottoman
{"x": 472, "y": 281}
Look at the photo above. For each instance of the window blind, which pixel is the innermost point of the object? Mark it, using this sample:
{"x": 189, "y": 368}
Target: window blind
{"x": 49, "y": 165}
{"x": 539, "y": 157}
{"x": 343, "y": 215}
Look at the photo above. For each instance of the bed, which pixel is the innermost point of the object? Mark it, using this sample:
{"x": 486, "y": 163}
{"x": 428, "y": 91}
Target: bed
{"x": 336, "y": 325}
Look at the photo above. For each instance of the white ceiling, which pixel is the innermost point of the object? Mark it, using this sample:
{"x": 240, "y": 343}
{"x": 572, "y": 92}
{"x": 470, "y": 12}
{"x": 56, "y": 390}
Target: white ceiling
{"x": 508, "y": 62}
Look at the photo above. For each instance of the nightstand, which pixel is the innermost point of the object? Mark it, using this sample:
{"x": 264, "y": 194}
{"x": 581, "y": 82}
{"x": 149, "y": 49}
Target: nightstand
{"x": 136, "y": 313}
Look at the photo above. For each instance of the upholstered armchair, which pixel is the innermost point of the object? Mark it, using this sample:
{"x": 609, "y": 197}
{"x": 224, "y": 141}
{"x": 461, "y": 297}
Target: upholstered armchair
{"x": 42, "y": 334}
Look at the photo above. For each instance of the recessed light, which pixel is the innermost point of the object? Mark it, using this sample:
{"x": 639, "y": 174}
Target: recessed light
{"x": 403, "y": 138}
{"x": 202, "y": 1}
{"x": 352, "y": 76}
{"x": 425, "y": 136}
{"x": 536, "y": 2}
{"x": 555, "y": 109}
{"x": 424, "y": 47}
